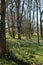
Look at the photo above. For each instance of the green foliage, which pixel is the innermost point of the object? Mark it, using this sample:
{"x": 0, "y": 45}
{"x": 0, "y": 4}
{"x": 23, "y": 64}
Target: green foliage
{"x": 5, "y": 61}
{"x": 23, "y": 49}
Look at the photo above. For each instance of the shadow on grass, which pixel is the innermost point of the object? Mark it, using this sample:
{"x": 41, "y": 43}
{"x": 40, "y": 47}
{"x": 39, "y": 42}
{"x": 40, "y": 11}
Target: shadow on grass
{"x": 19, "y": 62}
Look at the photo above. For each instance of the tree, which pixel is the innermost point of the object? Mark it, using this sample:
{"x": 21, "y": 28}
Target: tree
{"x": 37, "y": 20}
{"x": 30, "y": 8}
{"x": 3, "y": 38}
{"x": 19, "y": 16}
{"x": 41, "y": 21}
{"x": 40, "y": 18}
{"x": 13, "y": 35}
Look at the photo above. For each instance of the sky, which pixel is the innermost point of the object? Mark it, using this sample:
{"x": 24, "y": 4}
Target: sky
{"x": 39, "y": 12}
{"x": 42, "y": 4}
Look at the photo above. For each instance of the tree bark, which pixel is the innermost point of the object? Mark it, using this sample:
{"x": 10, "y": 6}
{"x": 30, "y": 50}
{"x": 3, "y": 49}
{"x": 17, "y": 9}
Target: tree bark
{"x": 37, "y": 21}
{"x": 18, "y": 20}
{"x": 3, "y": 38}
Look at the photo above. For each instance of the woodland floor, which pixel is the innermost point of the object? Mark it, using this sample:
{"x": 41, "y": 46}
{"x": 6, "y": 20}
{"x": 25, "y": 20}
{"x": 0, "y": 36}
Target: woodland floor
{"x": 24, "y": 50}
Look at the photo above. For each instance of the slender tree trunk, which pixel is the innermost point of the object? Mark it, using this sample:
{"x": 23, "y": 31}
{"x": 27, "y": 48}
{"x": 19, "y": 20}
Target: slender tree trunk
{"x": 18, "y": 25}
{"x": 8, "y": 25}
{"x": 13, "y": 35}
{"x": 41, "y": 27}
{"x": 30, "y": 25}
{"x": 3, "y": 38}
{"x": 18, "y": 21}
{"x": 0, "y": 34}
{"x": 40, "y": 18}
{"x": 37, "y": 21}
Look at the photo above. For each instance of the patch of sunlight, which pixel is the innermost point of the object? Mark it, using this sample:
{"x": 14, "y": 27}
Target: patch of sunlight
{"x": 39, "y": 58}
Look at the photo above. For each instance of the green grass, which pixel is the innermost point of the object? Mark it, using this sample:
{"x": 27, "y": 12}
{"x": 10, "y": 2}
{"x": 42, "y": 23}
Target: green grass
{"x": 23, "y": 50}
{"x": 5, "y": 61}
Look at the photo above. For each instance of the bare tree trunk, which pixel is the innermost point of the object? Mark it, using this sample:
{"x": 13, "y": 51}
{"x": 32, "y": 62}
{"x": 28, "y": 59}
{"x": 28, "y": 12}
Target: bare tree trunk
{"x": 8, "y": 24}
{"x": 30, "y": 25}
{"x": 18, "y": 25}
{"x": 3, "y": 38}
{"x": 40, "y": 18}
{"x": 30, "y": 7}
{"x": 13, "y": 33}
{"x": 37, "y": 21}
{"x": 18, "y": 20}
{"x": 0, "y": 32}
{"x": 41, "y": 27}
